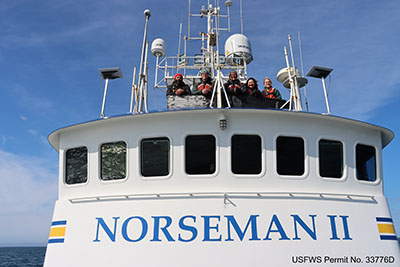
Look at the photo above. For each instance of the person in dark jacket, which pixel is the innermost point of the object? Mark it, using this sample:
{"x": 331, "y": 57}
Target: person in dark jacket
{"x": 178, "y": 87}
{"x": 205, "y": 87}
{"x": 269, "y": 91}
{"x": 251, "y": 88}
{"x": 232, "y": 86}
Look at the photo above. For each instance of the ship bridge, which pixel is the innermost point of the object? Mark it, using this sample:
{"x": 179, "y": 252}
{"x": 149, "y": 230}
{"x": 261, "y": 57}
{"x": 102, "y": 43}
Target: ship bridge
{"x": 220, "y": 151}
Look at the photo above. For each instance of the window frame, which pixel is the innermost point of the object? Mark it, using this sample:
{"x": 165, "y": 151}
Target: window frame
{"x": 377, "y": 163}
{"x": 263, "y": 156}
{"x": 217, "y": 156}
{"x": 99, "y": 153}
{"x": 306, "y": 157}
{"x": 65, "y": 150}
{"x": 344, "y": 158}
{"x": 170, "y": 158}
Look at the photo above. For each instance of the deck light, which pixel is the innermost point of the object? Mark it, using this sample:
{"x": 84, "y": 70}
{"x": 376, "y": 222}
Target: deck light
{"x": 321, "y": 73}
{"x": 223, "y": 123}
{"x": 108, "y": 74}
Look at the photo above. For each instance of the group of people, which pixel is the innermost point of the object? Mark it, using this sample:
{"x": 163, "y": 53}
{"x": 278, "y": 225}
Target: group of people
{"x": 233, "y": 87}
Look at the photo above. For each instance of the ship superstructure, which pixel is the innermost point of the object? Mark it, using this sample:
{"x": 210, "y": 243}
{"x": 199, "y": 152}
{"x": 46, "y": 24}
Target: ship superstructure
{"x": 218, "y": 185}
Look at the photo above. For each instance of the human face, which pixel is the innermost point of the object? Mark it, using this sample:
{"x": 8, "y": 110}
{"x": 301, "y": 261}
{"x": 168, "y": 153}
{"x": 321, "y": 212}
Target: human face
{"x": 232, "y": 76}
{"x": 267, "y": 83}
{"x": 204, "y": 76}
{"x": 178, "y": 78}
{"x": 251, "y": 83}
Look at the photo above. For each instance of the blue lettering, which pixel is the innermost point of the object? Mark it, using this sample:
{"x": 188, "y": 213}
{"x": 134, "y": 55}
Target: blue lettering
{"x": 279, "y": 229}
{"x": 207, "y": 228}
{"x": 168, "y": 221}
{"x": 107, "y": 230}
{"x": 333, "y": 227}
{"x": 346, "y": 228}
{"x": 124, "y": 229}
{"x": 298, "y": 220}
{"x": 232, "y": 221}
{"x": 185, "y": 227}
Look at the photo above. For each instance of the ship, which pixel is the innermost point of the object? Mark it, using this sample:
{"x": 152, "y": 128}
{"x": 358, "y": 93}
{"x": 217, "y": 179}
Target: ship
{"x": 220, "y": 180}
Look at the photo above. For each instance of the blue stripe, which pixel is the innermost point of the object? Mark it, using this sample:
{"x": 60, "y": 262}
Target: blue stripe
{"x": 388, "y": 237}
{"x": 59, "y": 223}
{"x": 56, "y": 240}
{"x": 382, "y": 219}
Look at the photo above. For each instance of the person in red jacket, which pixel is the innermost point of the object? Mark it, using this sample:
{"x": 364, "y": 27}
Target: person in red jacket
{"x": 251, "y": 88}
{"x": 269, "y": 91}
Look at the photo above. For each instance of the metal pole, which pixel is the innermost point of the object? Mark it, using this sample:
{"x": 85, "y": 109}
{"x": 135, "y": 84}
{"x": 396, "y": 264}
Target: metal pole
{"x": 296, "y": 86}
{"x": 156, "y": 74}
{"x": 104, "y": 99}
{"x": 133, "y": 89}
{"x": 146, "y": 68}
{"x": 241, "y": 17}
{"x": 147, "y": 14}
{"x": 290, "y": 78}
{"x": 326, "y": 95}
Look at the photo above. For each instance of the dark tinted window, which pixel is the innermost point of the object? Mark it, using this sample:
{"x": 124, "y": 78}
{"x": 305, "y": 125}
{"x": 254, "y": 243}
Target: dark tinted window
{"x": 200, "y": 154}
{"x": 76, "y": 165}
{"x": 246, "y": 154}
{"x": 113, "y": 161}
{"x": 290, "y": 155}
{"x": 330, "y": 158}
{"x": 366, "y": 162}
{"x": 155, "y": 156}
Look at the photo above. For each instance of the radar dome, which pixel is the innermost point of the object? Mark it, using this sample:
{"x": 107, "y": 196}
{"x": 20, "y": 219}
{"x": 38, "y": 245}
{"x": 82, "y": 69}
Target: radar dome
{"x": 158, "y": 47}
{"x": 237, "y": 50}
{"x": 283, "y": 77}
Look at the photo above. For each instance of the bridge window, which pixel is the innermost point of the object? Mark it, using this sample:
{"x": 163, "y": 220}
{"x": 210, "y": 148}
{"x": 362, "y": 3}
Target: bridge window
{"x": 290, "y": 155}
{"x": 330, "y": 158}
{"x": 155, "y": 156}
{"x": 246, "y": 154}
{"x": 76, "y": 165}
{"x": 200, "y": 153}
{"x": 366, "y": 163}
{"x": 113, "y": 161}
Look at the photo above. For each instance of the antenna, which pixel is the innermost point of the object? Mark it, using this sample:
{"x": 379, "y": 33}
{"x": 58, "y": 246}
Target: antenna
{"x": 241, "y": 17}
{"x": 142, "y": 72}
{"x": 302, "y": 70}
{"x": 179, "y": 46}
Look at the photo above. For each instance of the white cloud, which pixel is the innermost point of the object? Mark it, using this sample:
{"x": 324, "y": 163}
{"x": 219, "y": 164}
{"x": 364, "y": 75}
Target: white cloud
{"x": 33, "y": 132}
{"x": 27, "y": 195}
{"x": 22, "y": 117}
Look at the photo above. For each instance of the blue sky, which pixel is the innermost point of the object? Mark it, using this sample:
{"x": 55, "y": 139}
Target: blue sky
{"x": 50, "y": 51}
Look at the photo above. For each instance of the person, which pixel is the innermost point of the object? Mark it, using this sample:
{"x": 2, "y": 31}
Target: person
{"x": 205, "y": 86}
{"x": 269, "y": 91}
{"x": 178, "y": 87}
{"x": 232, "y": 86}
{"x": 251, "y": 88}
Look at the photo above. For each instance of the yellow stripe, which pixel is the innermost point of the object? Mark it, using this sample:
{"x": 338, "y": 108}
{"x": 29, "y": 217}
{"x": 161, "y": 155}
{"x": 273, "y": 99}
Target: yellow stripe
{"x": 386, "y": 228}
{"x": 57, "y": 231}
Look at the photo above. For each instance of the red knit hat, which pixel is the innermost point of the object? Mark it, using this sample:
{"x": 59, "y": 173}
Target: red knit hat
{"x": 178, "y": 74}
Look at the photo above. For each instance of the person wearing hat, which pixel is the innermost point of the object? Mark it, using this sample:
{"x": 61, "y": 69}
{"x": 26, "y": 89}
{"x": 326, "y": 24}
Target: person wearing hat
{"x": 205, "y": 86}
{"x": 269, "y": 91}
{"x": 178, "y": 87}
